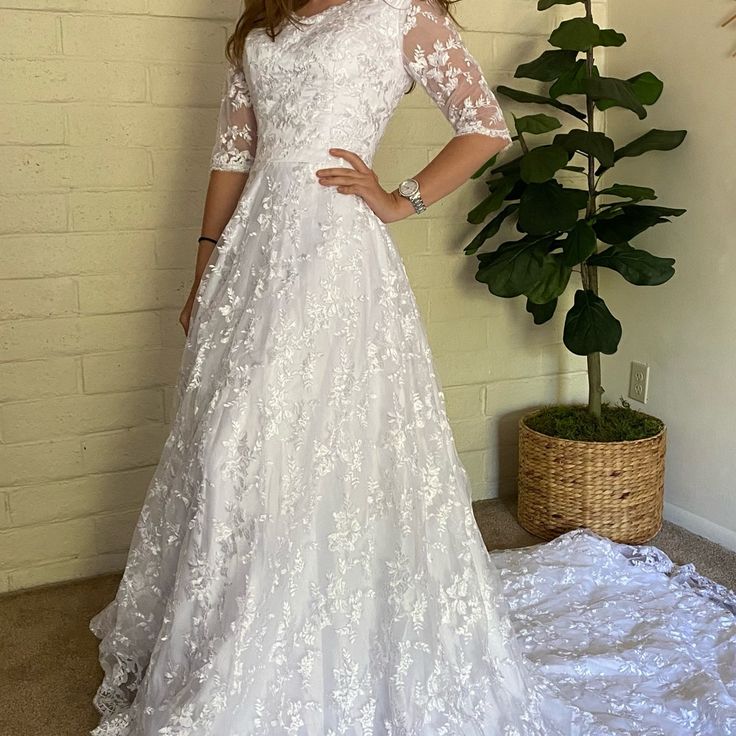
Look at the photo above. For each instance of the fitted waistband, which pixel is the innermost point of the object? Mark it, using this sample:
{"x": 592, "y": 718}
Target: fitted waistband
{"x": 316, "y": 161}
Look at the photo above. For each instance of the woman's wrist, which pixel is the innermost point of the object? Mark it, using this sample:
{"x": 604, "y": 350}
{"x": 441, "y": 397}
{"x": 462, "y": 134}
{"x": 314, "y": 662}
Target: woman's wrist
{"x": 403, "y": 206}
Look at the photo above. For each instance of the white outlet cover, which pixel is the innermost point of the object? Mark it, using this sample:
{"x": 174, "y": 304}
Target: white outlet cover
{"x": 639, "y": 382}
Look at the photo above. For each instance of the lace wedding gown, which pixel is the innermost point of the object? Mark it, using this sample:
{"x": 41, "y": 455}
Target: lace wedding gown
{"x": 306, "y": 562}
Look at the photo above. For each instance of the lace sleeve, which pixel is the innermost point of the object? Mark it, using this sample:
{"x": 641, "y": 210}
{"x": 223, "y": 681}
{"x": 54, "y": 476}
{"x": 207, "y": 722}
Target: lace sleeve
{"x": 235, "y": 142}
{"x": 436, "y": 57}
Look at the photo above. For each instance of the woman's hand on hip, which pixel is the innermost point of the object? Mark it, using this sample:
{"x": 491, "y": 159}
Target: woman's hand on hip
{"x": 362, "y": 181}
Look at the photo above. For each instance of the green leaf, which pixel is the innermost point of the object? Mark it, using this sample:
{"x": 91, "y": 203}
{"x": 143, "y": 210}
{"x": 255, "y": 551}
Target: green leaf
{"x": 544, "y": 4}
{"x": 513, "y": 268}
{"x": 590, "y": 327}
{"x": 653, "y": 140}
{"x": 490, "y": 229}
{"x": 541, "y": 312}
{"x": 508, "y": 167}
{"x": 616, "y": 92}
{"x": 501, "y": 187}
{"x": 541, "y": 163}
{"x": 582, "y": 34}
{"x": 580, "y": 243}
{"x": 598, "y": 145}
{"x": 547, "y": 67}
{"x": 608, "y": 211}
{"x": 520, "y": 95}
{"x": 548, "y": 207}
{"x": 487, "y": 165}
{"x": 572, "y": 82}
{"x": 517, "y": 191}
{"x": 552, "y": 282}
{"x": 637, "y": 266}
{"x": 646, "y": 87}
{"x": 630, "y": 191}
{"x": 576, "y": 34}
{"x": 536, "y": 124}
{"x": 632, "y": 220}
{"x": 609, "y": 37}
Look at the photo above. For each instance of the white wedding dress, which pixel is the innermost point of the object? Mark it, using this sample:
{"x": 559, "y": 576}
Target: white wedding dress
{"x": 306, "y": 561}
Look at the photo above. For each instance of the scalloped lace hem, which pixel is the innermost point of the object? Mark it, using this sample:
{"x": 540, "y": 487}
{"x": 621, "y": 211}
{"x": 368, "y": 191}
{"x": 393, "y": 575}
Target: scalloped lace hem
{"x": 653, "y": 559}
{"x": 120, "y": 676}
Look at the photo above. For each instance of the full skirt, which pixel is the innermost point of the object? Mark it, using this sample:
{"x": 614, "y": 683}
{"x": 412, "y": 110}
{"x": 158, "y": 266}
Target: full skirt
{"x": 306, "y": 561}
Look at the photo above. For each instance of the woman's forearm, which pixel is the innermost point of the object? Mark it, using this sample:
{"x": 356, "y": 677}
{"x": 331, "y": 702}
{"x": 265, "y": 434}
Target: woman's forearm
{"x": 223, "y": 193}
{"x": 452, "y": 166}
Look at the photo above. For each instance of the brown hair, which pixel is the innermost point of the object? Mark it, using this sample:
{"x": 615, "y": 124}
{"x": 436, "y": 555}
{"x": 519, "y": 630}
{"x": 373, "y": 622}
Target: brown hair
{"x": 269, "y": 14}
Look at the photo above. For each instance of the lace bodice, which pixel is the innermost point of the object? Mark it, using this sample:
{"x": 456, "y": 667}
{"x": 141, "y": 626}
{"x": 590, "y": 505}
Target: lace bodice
{"x": 336, "y": 80}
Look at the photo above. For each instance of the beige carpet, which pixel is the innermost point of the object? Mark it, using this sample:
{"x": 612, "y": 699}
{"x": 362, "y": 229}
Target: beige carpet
{"x": 48, "y": 657}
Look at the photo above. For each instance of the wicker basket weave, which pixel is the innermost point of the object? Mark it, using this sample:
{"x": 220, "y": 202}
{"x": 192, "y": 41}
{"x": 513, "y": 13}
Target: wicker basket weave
{"x": 614, "y": 488}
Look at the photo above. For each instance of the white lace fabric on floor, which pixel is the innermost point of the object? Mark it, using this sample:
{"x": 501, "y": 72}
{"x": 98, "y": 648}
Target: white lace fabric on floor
{"x": 306, "y": 561}
{"x": 639, "y": 644}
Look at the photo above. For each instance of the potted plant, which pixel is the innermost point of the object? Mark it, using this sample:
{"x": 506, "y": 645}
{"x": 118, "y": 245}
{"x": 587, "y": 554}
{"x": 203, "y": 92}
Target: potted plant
{"x": 599, "y": 466}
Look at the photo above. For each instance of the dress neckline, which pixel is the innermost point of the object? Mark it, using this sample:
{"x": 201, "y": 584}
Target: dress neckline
{"x": 314, "y": 16}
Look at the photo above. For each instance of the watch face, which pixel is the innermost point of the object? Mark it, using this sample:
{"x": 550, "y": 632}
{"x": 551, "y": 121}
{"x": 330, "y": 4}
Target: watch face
{"x": 408, "y": 187}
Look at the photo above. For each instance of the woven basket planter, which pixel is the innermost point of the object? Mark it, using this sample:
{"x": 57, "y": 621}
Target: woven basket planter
{"x": 614, "y": 488}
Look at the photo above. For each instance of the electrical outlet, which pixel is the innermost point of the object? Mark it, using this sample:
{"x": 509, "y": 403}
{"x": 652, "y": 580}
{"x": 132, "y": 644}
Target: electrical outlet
{"x": 639, "y": 382}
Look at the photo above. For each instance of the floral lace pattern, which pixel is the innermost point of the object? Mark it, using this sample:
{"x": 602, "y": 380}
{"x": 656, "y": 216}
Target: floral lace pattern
{"x": 353, "y": 101}
{"x": 236, "y": 136}
{"x": 436, "y": 57}
{"x": 638, "y": 644}
{"x": 306, "y": 561}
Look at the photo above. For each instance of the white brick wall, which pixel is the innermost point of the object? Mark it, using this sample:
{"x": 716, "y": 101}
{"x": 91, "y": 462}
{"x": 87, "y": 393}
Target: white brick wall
{"x": 106, "y": 124}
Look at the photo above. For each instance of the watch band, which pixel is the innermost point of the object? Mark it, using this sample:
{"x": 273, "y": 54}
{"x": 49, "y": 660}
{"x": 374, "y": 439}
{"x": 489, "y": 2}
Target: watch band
{"x": 409, "y": 189}
{"x": 417, "y": 201}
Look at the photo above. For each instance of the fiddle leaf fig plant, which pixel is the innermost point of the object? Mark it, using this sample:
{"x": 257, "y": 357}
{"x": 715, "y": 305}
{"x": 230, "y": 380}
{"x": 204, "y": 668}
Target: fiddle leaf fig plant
{"x": 569, "y": 225}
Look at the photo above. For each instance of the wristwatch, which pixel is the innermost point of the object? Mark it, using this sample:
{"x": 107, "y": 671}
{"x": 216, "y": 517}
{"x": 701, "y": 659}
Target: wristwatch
{"x": 409, "y": 188}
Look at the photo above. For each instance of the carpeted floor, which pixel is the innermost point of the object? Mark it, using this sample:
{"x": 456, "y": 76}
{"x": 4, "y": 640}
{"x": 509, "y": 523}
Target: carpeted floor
{"x": 48, "y": 657}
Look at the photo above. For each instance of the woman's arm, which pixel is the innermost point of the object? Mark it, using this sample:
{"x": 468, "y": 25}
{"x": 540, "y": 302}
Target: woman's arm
{"x": 232, "y": 157}
{"x": 451, "y": 168}
{"x": 448, "y": 170}
{"x": 223, "y": 193}
{"x": 435, "y": 57}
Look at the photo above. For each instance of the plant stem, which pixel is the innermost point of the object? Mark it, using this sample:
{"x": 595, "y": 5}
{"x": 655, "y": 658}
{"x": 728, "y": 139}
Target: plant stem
{"x": 589, "y": 274}
{"x": 524, "y": 146}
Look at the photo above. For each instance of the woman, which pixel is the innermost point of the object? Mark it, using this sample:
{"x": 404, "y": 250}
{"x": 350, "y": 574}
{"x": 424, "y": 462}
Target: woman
{"x": 306, "y": 561}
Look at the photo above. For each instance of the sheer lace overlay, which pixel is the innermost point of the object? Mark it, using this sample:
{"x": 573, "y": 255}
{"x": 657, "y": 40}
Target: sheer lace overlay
{"x": 306, "y": 561}
{"x": 432, "y": 53}
{"x": 235, "y": 139}
{"x": 436, "y": 57}
{"x": 640, "y": 645}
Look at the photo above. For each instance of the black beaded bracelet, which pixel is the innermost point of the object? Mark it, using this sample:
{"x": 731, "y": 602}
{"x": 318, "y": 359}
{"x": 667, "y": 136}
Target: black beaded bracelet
{"x": 204, "y": 237}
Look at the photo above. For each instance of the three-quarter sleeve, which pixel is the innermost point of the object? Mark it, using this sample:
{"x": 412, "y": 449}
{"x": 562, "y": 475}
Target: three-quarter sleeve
{"x": 236, "y": 136}
{"x": 436, "y": 57}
